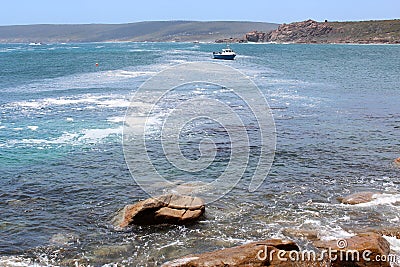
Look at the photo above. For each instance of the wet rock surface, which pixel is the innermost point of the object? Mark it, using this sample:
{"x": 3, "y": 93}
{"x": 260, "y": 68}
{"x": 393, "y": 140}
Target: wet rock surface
{"x": 366, "y": 248}
{"x": 165, "y": 209}
{"x": 252, "y": 254}
{"x": 358, "y": 198}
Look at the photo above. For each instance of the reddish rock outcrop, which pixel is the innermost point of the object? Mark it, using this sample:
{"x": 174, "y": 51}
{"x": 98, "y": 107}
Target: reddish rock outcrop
{"x": 310, "y": 31}
{"x": 231, "y": 40}
{"x": 251, "y": 254}
{"x": 362, "y": 250}
{"x": 386, "y": 231}
{"x": 297, "y": 32}
{"x": 170, "y": 209}
{"x": 256, "y": 36}
{"x": 358, "y": 198}
{"x": 300, "y": 32}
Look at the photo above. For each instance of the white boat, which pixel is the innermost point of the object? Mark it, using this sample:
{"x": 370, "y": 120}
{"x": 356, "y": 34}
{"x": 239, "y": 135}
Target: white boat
{"x": 227, "y": 54}
{"x": 35, "y": 44}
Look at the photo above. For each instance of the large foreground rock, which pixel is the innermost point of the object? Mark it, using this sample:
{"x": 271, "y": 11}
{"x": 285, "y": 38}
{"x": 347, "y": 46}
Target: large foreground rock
{"x": 358, "y": 198}
{"x": 170, "y": 209}
{"x": 252, "y": 254}
{"x": 371, "y": 243}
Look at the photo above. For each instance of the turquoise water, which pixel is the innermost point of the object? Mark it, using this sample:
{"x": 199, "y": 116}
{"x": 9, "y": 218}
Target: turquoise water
{"x": 63, "y": 173}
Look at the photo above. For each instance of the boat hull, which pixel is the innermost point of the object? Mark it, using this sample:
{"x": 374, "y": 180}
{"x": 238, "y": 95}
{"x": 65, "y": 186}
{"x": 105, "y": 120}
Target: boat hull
{"x": 224, "y": 57}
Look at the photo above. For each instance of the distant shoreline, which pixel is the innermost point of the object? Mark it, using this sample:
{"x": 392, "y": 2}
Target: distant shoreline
{"x": 211, "y": 43}
{"x": 307, "y": 32}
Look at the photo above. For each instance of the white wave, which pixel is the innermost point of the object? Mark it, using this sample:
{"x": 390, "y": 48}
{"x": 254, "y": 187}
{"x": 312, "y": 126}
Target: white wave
{"x": 177, "y": 61}
{"x": 88, "y": 80}
{"x": 312, "y": 222}
{"x": 33, "y": 127}
{"x": 114, "y": 103}
{"x": 326, "y": 232}
{"x": 86, "y": 136}
{"x": 292, "y": 96}
{"x": 98, "y": 134}
{"x": 69, "y": 119}
{"x": 6, "y": 50}
{"x": 336, "y": 233}
{"x": 14, "y": 261}
{"x": 116, "y": 119}
{"x": 104, "y": 101}
{"x": 2, "y": 127}
{"x": 18, "y": 129}
{"x": 381, "y": 199}
{"x": 223, "y": 91}
{"x": 176, "y": 243}
{"x": 145, "y": 50}
{"x": 394, "y": 243}
{"x": 27, "y": 104}
{"x": 128, "y": 74}
{"x": 65, "y": 138}
{"x": 287, "y": 82}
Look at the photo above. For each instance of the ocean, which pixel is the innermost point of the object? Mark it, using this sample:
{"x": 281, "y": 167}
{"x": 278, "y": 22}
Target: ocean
{"x": 63, "y": 174}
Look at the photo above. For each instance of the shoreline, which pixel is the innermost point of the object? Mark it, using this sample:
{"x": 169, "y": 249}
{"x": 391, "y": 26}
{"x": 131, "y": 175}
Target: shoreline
{"x": 307, "y": 32}
{"x": 197, "y": 43}
{"x": 332, "y": 142}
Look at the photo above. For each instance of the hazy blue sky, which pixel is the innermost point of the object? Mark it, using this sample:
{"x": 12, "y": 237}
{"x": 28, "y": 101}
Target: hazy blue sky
{"x": 121, "y": 11}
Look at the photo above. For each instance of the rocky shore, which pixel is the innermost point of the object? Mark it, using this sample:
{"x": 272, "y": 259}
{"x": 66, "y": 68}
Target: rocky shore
{"x": 282, "y": 253}
{"x": 363, "y": 248}
{"x": 310, "y": 31}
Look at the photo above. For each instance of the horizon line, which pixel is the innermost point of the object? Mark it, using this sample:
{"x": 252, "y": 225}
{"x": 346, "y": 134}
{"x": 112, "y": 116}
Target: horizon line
{"x": 182, "y": 20}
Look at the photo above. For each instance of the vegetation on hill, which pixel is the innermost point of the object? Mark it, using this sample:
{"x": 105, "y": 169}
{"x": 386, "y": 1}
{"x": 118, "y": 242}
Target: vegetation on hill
{"x": 158, "y": 31}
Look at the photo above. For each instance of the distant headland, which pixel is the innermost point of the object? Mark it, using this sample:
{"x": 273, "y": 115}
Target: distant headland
{"x": 309, "y": 31}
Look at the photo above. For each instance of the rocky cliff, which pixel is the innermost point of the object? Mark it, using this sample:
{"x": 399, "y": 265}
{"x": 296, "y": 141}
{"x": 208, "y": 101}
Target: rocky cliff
{"x": 310, "y": 31}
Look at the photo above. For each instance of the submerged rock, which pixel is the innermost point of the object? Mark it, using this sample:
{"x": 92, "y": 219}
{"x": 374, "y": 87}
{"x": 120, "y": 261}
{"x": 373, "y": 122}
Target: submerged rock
{"x": 383, "y": 231}
{"x": 170, "y": 209}
{"x": 252, "y": 254}
{"x": 396, "y": 162}
{"x": 63, "y": 239}
{"x": 371, "y": 243}
{"x": 390, "y": 231}
{"x": 301, "y": 233}
{"x": 358, "y": 198}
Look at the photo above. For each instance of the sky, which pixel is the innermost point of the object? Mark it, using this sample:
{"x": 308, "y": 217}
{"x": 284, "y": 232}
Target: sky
{"x": 21, "y": 12}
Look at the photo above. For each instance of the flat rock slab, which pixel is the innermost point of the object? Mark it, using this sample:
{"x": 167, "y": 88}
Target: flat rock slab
{"x": 358, "y": 198}
{"x": 165, "y": 209}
